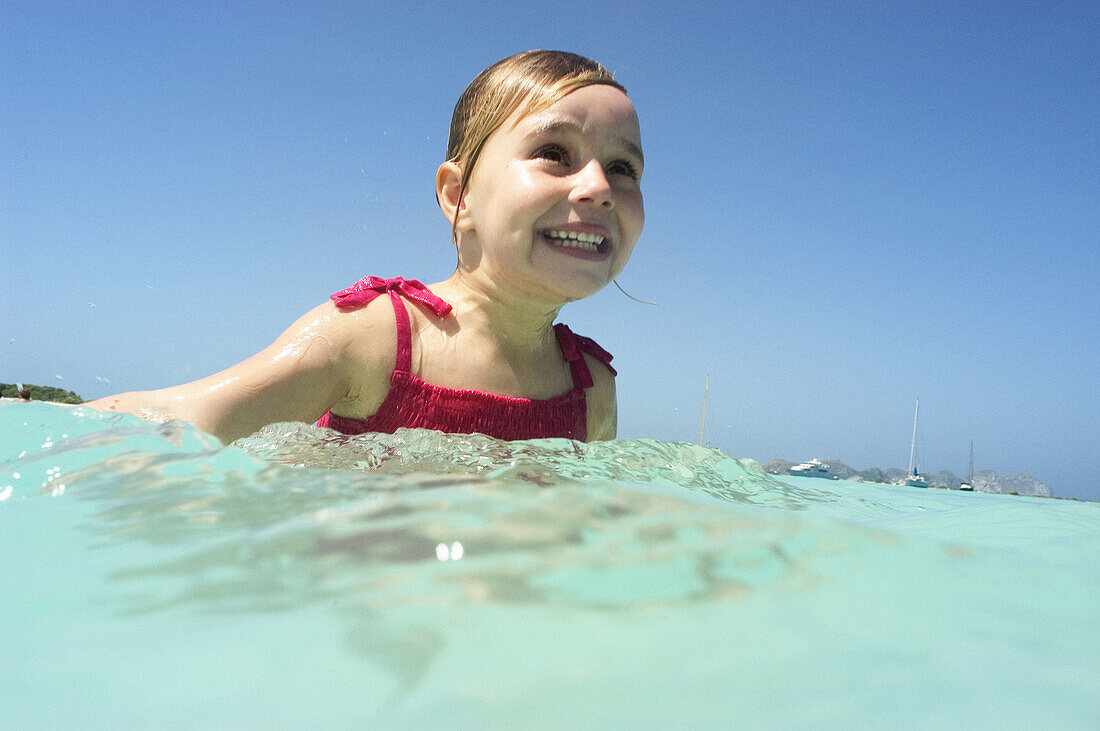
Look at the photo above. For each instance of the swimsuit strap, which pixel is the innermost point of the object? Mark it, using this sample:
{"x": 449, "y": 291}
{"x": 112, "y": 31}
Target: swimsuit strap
{"x": 366, "y": 289}
{"x": 573, "y": 347}
{"x": 403, "y": 360}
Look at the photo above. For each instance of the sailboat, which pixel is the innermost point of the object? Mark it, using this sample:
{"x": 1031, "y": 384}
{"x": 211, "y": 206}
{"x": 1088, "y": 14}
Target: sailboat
{"x": 969, "y": 484}
{"x": 914, "y": 479}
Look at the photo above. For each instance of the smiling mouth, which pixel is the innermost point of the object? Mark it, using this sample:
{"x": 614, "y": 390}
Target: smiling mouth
{"x": 594, "y": 243}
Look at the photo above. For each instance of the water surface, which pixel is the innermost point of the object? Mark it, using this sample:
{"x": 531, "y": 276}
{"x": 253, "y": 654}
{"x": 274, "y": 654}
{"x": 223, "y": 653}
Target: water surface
{"x": 149, "y": 575}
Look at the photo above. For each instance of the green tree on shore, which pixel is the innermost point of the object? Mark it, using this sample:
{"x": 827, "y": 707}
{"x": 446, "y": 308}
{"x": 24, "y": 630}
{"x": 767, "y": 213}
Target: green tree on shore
{"x": 41, "y": 393}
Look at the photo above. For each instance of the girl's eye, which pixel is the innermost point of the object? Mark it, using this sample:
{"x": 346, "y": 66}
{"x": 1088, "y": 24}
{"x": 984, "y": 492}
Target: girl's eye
{"x": 553, "y": 153}
{"x": 623, "y": 167}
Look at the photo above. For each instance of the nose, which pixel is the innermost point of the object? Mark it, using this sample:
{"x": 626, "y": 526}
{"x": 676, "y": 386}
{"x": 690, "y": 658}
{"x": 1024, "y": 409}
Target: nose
{"x": 592, "y": 187}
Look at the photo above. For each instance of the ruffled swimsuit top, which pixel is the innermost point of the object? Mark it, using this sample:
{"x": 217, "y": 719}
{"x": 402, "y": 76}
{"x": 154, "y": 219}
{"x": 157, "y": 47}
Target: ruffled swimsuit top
{"x": 411, "y": 402}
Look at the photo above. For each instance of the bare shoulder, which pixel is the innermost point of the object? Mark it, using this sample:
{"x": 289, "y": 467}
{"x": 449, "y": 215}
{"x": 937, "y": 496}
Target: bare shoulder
{"x": 602, "y": 404}
{"x": 364, "y": 334}
{"x": 365, "y": 341}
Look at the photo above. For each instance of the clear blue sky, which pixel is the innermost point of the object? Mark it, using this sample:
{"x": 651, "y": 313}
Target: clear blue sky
{"x": 849, "y": 205}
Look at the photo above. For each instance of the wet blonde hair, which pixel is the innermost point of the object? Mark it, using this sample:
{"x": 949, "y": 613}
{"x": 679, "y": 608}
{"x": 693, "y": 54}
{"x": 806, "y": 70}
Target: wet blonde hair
{"x": 524, "y": 83}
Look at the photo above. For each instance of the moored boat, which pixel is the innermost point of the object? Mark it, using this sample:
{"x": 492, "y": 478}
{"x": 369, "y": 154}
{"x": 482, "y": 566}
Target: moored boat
{"x": 813, "y": 468}
{"x": 915, "y": 479}
{"x": 969, "y": 484}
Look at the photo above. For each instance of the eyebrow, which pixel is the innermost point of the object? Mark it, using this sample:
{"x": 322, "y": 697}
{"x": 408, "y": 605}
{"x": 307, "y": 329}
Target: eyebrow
{"x": 555, "y": 125}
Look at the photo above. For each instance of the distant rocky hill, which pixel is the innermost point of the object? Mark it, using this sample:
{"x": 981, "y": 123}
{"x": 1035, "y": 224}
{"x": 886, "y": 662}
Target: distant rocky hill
{"x": 984, "y": 480}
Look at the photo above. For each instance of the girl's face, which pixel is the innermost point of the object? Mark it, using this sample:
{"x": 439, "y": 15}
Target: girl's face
{"x": 554, "y": 205}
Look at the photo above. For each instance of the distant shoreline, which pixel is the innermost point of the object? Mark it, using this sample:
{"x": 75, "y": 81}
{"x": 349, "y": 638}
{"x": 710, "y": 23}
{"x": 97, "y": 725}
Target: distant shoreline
{"x": 37, "y": 401}
{"x": 983, "y": 480}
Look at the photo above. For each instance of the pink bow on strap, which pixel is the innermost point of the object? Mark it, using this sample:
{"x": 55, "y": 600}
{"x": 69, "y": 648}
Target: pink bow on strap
{"x": 573, "y": 345}
{"x": 368, "y": 288}
{"x": 589, "y": 345}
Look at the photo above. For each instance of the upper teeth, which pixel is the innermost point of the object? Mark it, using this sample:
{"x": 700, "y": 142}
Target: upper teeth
{"x": 576, "y": 239}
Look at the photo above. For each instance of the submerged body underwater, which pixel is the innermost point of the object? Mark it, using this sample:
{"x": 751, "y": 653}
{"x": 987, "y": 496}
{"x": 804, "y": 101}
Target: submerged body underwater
{"x": 150, "y": 575}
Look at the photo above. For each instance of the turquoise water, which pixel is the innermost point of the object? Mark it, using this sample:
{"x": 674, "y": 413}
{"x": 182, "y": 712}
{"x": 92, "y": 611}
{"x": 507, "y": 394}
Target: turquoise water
{"x": 150, "y": 576}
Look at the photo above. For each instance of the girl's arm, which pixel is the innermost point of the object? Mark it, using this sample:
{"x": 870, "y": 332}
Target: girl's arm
{"x": 603, "y": 410}
{"x": 299, "y": 377}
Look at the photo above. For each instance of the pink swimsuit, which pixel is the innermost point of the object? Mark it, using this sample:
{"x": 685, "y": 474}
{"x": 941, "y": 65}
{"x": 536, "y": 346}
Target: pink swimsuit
{"x": 413, "y": 403}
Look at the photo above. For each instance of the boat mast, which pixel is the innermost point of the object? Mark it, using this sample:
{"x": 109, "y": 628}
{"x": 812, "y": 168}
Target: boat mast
{"x": 970, "y": 476}
{"x": 913, "y": 448}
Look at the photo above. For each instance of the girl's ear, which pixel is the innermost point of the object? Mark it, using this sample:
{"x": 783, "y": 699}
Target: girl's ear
{"x": 448, "y": 191}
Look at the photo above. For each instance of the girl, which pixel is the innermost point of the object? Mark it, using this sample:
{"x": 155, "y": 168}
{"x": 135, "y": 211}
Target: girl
{"x": 541, "y": 189}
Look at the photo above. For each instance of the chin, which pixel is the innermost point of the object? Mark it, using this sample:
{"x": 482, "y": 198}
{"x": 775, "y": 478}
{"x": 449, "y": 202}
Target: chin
{"x": 579, "y": 288}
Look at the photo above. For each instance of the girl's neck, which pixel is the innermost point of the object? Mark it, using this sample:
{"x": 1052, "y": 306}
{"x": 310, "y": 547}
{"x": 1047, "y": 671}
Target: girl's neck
{"x": 517, "y": 323}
